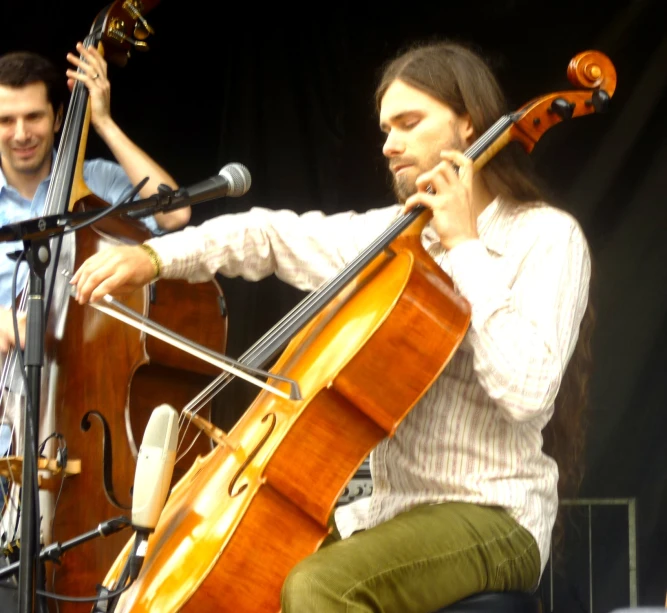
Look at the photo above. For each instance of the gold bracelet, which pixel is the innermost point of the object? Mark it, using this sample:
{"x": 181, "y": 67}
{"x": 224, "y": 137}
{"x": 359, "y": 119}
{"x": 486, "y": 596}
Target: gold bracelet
{"x": 155, "y": 258}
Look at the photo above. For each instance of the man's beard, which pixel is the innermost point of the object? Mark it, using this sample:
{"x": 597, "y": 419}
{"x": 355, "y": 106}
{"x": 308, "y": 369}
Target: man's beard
{"x": 404, "y": 187}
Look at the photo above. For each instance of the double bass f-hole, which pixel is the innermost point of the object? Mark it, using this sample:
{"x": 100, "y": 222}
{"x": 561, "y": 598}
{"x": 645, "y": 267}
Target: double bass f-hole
{"x": 107, "y": 457}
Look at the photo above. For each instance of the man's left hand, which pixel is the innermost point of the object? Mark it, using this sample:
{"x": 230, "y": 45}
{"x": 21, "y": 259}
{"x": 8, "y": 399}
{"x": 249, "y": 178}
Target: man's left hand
{"x": 93, "y": 74}
{"x": 449, "y": 196}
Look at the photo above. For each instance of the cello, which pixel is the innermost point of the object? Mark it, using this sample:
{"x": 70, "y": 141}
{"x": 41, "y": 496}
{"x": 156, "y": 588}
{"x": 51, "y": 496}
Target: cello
{"x": 257, "y": 504}
{"x": 101, "y": 379}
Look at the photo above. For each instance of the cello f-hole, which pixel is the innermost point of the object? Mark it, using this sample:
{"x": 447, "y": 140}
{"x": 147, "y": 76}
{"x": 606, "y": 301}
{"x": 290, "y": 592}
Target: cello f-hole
{"x": 251, "y": 456}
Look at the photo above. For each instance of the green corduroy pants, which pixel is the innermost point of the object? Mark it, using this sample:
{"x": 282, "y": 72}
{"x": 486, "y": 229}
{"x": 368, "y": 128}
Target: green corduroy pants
{"x": 417, "y": 562}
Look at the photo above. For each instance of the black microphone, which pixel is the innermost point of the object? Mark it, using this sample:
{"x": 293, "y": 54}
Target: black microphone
{"x": 233, "y": 181}
{"x": 54, "y": 551}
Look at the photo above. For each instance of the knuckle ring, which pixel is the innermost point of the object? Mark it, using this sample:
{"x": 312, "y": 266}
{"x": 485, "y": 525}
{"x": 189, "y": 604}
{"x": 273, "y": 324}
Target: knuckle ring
{"x": 96, "y": 76}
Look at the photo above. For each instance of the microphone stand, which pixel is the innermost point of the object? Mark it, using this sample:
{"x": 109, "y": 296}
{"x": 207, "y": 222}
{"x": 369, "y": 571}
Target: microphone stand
{"x": 38, "y": 255}
{"x": 54, "y": 551}
{"x": 53, "y": 225}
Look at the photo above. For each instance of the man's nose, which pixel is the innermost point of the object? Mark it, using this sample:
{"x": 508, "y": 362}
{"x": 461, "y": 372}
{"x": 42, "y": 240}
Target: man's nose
{"x": 393, "y": 145}
{"x": 21, "y": 131}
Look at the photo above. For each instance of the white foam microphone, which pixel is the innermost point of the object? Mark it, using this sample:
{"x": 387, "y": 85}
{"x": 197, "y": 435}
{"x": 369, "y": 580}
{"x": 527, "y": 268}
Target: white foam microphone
{"x": 155, "y": 467}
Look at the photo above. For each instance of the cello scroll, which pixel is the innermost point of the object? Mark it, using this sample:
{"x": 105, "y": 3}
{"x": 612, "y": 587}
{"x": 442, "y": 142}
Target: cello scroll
{"x": 591, "y": 71}
{"x": 587, "y": 70}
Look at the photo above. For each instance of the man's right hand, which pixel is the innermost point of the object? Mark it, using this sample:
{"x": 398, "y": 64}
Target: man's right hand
{"x": 7, "y": 340}
{"x": 112, "y": 270}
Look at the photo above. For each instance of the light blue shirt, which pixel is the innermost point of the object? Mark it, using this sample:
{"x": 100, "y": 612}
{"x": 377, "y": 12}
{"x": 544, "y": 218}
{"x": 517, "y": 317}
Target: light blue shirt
{"x": 106, "y": 179}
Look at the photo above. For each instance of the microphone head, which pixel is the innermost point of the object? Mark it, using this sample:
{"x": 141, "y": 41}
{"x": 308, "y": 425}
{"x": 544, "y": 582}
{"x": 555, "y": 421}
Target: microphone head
{"x": 162, "y": 429}
{"x": 155, "y": 468}
{"x": 238, "y": 178}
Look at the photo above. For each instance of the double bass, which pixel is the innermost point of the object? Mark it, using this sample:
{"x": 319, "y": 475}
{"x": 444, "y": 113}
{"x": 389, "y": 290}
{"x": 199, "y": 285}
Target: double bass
{"x": 101, "y": 379}
{"x": 246, "y": 513}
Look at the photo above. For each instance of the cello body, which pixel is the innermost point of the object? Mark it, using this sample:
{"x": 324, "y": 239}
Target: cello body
{"x": 269, "y": 494}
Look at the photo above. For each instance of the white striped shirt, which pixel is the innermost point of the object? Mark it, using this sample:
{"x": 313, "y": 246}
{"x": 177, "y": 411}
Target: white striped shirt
{"x": 475, "y": 436}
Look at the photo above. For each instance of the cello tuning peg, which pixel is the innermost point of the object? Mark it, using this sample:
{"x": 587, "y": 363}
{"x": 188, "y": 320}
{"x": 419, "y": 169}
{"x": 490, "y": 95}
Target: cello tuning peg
{"x": 562, "y": 108}
{"x": 600, "y": 101}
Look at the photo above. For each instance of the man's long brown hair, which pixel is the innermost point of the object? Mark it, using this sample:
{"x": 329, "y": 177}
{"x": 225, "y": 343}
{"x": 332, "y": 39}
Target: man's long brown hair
{"x": 458, "y": 76}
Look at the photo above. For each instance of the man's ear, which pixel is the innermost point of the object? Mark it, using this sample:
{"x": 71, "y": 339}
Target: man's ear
{"x": 467, "y": 130}
{"x": 58, "y": 121}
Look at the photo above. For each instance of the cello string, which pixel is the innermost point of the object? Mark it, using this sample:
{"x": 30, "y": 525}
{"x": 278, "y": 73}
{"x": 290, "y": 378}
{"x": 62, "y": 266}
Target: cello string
{"x": 306, "y": 308}
{"x": 299, "y": 315}
{"x": 315, "y": 299}
{"x": 194, "y": 440}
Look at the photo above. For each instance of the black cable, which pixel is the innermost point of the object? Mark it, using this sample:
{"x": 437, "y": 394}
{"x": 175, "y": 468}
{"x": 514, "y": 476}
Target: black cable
{"x": 107, "y": 211}
{"x": 107, "y": 596}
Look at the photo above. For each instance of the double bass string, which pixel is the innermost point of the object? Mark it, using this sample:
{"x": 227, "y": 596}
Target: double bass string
{"x": 12, "y": 379}
{"x": 13, "y": 396}
{"x": 9, "y": 367}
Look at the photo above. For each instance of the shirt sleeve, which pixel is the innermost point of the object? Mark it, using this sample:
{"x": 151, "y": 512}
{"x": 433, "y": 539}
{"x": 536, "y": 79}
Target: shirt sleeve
{"x": 108, "y": 181}
{"x": 523, "y": 333}
{"x": 303, "y": 250}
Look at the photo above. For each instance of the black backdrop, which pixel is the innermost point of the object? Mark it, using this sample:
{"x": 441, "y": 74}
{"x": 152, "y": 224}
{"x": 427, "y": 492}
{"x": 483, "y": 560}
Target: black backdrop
{"x": 288, "y": 92}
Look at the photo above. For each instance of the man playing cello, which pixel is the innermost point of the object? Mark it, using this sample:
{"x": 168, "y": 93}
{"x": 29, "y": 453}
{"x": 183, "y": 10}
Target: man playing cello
{"x": 464, "y": 495}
